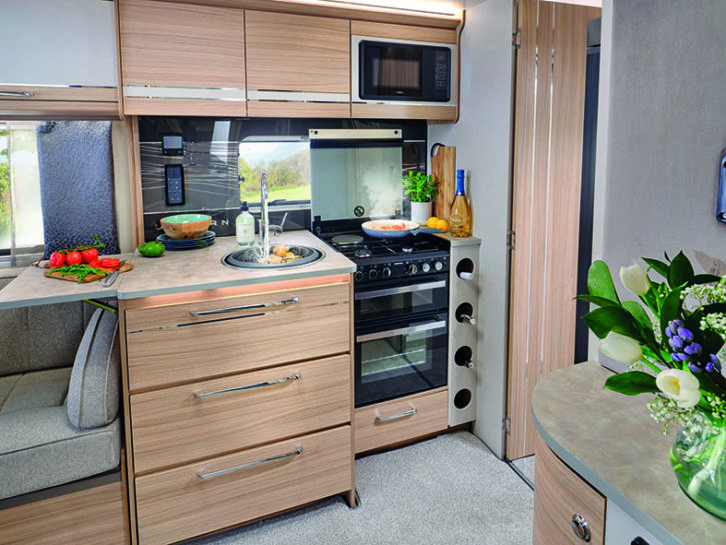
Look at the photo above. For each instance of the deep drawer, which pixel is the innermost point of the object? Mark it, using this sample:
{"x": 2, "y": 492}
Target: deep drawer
{"x": 178, "y": 504}
{"x": 192, "y": 341}
{"x": 394, "y": 421}
{"x": 194, "y": 421}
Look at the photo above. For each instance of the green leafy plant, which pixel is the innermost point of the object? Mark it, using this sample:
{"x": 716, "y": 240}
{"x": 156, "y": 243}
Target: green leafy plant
{"x": 421, "y": 187}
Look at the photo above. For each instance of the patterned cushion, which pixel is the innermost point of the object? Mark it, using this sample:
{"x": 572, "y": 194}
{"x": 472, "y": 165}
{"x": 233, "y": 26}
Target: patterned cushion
{"x": 93, "y": 392}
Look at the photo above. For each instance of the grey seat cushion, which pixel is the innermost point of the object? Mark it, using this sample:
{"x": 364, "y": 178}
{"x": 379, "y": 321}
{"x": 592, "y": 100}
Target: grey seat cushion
{"x": 39, "y": 448}
{"x": 38, "y": 389}
{"x": 93, "y": 392}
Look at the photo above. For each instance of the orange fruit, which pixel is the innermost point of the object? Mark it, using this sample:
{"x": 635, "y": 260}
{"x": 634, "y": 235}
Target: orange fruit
{"x": 431, "y": 222}
{"x": 442, "y": 224}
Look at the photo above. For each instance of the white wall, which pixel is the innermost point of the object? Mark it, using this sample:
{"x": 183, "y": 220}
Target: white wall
{"x": 482, "y": 140}
{"x": 662, "y": 129}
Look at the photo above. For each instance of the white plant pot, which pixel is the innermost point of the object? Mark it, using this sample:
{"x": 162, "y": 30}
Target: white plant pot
{"x": 420, "y": 212}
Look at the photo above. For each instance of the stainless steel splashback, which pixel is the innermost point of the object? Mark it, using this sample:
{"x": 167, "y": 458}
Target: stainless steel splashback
{"x": 355, "y": 173}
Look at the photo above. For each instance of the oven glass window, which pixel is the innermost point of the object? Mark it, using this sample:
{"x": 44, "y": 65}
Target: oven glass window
{"x": 394, "y": 356}
{"x": 401, "y": 300}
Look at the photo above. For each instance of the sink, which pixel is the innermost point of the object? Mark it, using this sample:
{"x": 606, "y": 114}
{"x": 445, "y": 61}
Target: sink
{"x": 250, "y": 258}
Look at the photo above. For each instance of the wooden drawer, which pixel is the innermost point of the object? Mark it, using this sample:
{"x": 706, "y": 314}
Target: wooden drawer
{"x": 177, "y": 504}
{"x": 559, "y": 494}
{"x": 173, "y": 426}
{"x": 169, "y": 344}
{"x": 374, "y": 430}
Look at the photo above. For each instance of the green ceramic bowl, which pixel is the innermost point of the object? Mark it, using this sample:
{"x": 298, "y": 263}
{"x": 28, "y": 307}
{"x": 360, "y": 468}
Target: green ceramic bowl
{"x": 186, "y": 226}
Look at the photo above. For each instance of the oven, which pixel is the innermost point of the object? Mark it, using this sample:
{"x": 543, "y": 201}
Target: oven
{"x": 401, "y": 337}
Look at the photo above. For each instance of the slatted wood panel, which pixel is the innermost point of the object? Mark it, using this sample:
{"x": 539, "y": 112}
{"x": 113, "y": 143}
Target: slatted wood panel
{"x": 549, "y": 110}
{"x": 560, "y": 493}
{"x": 443, "y": 169}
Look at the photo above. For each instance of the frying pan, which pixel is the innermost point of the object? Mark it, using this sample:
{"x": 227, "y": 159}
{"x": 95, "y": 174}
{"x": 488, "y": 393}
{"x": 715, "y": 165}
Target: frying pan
{"x": 394, "y": 228}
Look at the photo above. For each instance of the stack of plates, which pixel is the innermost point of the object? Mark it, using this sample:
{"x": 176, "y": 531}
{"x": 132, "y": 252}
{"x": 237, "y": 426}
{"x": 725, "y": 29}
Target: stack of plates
{"x": 207, "y": 239}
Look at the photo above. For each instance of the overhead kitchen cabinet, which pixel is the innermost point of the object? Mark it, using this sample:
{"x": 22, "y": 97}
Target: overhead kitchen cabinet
{"x": 58, "y": 59}
{"x": 181, "y": 59}
{"x": 404, "y": 72}
{"x": 297, "y": 65}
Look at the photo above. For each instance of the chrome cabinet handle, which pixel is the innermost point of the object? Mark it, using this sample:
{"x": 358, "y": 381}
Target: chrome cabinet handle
{"x": 17, "y": 93}
{"x": 401, "y": 289}
{"x": 212, "y": 474}
{"x": 259, "y": 306}
{"x": 410, "y": 412}
{"x": 580, "y": 527}
{"x": 401, "y": 331}
{"x": 204, "y": 395}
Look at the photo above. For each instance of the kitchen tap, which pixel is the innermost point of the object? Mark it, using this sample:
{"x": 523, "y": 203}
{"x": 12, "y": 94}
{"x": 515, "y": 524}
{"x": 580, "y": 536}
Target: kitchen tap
{"x": 265, "y": 219}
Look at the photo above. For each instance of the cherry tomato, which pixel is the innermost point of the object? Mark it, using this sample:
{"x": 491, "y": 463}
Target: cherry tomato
{"x": 110, "y": 263}
{"x": 57, "y": 259}
{"x": 90, "y": 254}
{"x": 74, "y": 258}
{"x": 96, "y": 264}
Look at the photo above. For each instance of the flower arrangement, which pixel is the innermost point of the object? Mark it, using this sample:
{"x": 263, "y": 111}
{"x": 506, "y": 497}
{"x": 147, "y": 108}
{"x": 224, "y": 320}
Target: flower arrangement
{"x": 673, "y": 339}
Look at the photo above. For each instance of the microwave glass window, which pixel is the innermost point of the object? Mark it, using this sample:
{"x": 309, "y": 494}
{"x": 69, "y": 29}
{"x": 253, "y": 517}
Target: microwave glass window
{"x": 393, "y": 71}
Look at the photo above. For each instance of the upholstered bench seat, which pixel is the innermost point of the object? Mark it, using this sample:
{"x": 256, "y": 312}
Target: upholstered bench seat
{"x": 47, "y": 388}
{"x": 39, "y": 448}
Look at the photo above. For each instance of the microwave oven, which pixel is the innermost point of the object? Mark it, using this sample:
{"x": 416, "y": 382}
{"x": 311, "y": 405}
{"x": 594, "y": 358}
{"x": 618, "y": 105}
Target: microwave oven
{"x": 387, "y": 70}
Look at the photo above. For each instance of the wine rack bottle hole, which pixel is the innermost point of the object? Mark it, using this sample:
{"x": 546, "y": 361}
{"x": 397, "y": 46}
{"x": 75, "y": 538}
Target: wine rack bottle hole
{"x": 462, "y": 398}
{"x": 465, "y": 269}
{"x": 464, "y": 314}
{"x": 463, "y": 356}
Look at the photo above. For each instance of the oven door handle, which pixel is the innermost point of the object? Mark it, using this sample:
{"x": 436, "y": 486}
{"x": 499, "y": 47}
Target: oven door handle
{"x": 401, "y": 331}
{"x": 400, "y": 289}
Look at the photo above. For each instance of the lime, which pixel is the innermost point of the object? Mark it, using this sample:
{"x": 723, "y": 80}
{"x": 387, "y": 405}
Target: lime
{"x": 152, "y": 249}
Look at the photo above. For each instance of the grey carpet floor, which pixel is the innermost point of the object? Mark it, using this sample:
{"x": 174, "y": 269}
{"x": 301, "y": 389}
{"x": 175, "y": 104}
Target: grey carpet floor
{"x": 450, "y": 490}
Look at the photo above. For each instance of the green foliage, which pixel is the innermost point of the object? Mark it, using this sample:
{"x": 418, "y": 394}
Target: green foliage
{"x": 421, "y": 187}
{"x": 5, "y": 213}
{"x": 632, "y": 383}
{"x": 600, "y": 282}
{"x": 292, "y": 171}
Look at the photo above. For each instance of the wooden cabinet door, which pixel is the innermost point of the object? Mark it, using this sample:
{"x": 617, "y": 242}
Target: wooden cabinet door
{"x": 297, "y": 65}
{"x": 560, "y": 495}
{"x": 181, "y": 59}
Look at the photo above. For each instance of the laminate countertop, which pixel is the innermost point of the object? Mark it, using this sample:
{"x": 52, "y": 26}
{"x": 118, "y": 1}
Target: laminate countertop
{"x": 174, "y": 272}
{"x": 612, "y": 442}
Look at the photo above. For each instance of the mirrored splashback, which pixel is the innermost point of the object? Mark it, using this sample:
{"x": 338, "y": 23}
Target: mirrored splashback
{"x": 210, "y": 165}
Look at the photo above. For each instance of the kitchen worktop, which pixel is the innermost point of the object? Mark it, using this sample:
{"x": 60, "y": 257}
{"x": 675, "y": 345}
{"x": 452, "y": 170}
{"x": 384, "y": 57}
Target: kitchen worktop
{"x": 612, "y": 442}
{"x": 174, "y": 272}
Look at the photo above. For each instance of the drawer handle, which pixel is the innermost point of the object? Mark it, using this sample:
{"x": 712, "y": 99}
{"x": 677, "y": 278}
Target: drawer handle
{"x": 410, "y": 412}
{"x": 204, "y": 395}
{"x": 200, "y": 313}
{"x": 211, "y": 475}
{"x": 580, "y": 527}
{"x": 17, "y": 93}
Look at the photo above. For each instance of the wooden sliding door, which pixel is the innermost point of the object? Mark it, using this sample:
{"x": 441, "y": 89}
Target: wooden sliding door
{"x": 549, "y": 111}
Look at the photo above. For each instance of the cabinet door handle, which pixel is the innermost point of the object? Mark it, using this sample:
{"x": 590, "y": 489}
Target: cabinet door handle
{"x": 259, "y": 306}
{"x": 291, "y": 378}
{"x": 212, "y": 474}
{"x": 410, "y": 412}
{"x": 17, "y": 93}
{"x": 580, "y": 527}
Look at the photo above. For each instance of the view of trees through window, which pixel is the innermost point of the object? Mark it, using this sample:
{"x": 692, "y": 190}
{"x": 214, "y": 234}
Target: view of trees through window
{"x": 287, "y": 165}
{"x": 5, "y": 212}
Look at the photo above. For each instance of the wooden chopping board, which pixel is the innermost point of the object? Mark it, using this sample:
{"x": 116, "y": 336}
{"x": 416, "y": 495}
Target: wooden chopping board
{"x": 443, "y": 169}
{"x": 90, "y": 278}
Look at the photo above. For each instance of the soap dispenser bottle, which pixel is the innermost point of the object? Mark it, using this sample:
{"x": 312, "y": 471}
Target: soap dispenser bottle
{"x": 245, "y": 227}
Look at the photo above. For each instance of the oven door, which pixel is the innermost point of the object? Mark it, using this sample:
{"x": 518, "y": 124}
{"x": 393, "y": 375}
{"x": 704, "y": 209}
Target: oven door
{"x": 399, "y": 299}
{"x": 397, "y": 358}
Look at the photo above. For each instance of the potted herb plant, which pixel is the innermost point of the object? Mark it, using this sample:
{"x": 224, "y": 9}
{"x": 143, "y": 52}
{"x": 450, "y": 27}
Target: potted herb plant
{"x": 423, "y": 191}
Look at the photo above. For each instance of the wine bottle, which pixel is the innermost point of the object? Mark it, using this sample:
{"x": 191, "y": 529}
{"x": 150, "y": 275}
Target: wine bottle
{"x": 460, "y": 217}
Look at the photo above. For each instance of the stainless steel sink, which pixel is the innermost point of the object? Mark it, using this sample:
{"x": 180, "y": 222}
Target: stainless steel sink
{"x": 252, "y": 258}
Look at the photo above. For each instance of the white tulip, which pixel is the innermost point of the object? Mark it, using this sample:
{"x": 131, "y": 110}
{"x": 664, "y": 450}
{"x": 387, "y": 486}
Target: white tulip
{"x": 621, "y": 348}
{"x": 680, "y": 386}
{"x": 635, "y": 279}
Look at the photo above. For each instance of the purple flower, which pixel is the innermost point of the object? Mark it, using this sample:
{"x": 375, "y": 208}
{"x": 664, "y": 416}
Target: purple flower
{"x": 685, "y": 334}
{"x": 676, "y": 343}
{"x": 694, "y": 367}
{"x": 713, "y": 364}
{"x": 672, "y": 328}
{"x": 693, "y": 349}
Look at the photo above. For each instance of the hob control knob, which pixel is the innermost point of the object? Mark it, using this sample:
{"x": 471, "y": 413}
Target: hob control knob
{"x": 438, "y": 265}
{"x": 373, "y": 274}
{"x": 425, "y": 267}
{"x": 386, "y": 272}
{"x": 412, "y": 269}
{"x": 359, "y": 275}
